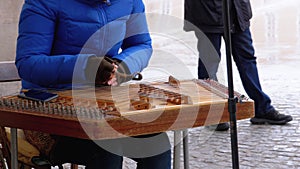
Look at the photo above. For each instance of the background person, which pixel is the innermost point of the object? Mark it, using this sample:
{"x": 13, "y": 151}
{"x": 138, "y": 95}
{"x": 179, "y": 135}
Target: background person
{"x": 207, "y": 16}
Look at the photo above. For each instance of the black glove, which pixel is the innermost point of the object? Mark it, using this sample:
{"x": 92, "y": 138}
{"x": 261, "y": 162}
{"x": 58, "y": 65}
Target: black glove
{"x": 99, "y": 70}
{"x": 123, "y": 74}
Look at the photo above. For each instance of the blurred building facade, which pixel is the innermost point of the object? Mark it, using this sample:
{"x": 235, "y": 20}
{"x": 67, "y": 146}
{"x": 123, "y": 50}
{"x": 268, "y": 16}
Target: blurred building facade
{"x": 275, "y": 22}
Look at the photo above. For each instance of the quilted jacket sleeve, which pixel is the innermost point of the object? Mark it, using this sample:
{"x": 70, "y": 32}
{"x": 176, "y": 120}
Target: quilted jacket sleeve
{"x": 136, "y": 48}
{"x": 36, "y": 32}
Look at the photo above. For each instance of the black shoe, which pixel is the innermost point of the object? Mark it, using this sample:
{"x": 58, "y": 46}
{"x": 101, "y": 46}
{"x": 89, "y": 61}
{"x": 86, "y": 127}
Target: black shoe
{"x": 219, "y": 127}
{"x": 272, "y": 117}
{"x": 222, "y": 127}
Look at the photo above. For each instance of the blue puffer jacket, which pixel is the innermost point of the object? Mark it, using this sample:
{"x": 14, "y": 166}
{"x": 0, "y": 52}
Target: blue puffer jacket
{"x": 56, "y": 37}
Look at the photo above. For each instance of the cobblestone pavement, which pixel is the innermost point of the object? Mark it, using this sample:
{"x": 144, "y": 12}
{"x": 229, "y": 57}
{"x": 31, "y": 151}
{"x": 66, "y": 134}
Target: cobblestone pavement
{"x": 260, "y": 147}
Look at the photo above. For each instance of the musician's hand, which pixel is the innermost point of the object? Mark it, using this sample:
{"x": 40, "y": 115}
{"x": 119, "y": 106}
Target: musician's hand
{"x": 112, "y": 81}
{"x": 122, "y": 74}
{"x": 123, "y": 77}
{"x": 105, "y": 68}
{"x": 119, "y": 77}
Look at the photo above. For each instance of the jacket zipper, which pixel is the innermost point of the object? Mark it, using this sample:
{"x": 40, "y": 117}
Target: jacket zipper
{"x": 104, "y": 28}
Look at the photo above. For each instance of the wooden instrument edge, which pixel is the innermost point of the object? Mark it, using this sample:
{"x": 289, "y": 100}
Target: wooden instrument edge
{"x": 116, "y": 127}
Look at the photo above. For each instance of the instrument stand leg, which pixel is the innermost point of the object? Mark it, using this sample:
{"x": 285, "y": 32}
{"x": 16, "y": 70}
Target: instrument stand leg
{"x": 185, "y": 135}
{"x": 176, "y": 153}
{"x": 231, "y": 98}
{"x": 14, "y": 148}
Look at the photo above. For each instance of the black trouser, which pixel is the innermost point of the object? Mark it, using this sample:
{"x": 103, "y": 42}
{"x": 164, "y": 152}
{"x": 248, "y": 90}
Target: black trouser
{"x": 149, "y": 152}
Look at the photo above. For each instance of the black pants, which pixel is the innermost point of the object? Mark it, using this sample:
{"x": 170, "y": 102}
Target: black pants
{"x": 149, "y": 153}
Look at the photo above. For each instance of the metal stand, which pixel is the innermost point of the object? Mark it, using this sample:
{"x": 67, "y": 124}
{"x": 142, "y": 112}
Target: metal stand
{"x": 231, "y": 99}
{"x": 178, "y": 135}
{"x": 14, "y": 148}
{"x": 177, "y": 138}
{"x": 185, "y": 135}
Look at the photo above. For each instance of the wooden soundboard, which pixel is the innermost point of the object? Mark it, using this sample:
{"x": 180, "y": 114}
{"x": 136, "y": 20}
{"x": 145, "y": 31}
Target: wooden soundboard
{"x": 130, "y": 110}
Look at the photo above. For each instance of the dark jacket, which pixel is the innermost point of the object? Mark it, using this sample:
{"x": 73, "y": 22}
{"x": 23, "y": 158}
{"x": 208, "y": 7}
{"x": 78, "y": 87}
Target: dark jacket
{"x": 207, "y": 15}
{"x": 56, "y": 38}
